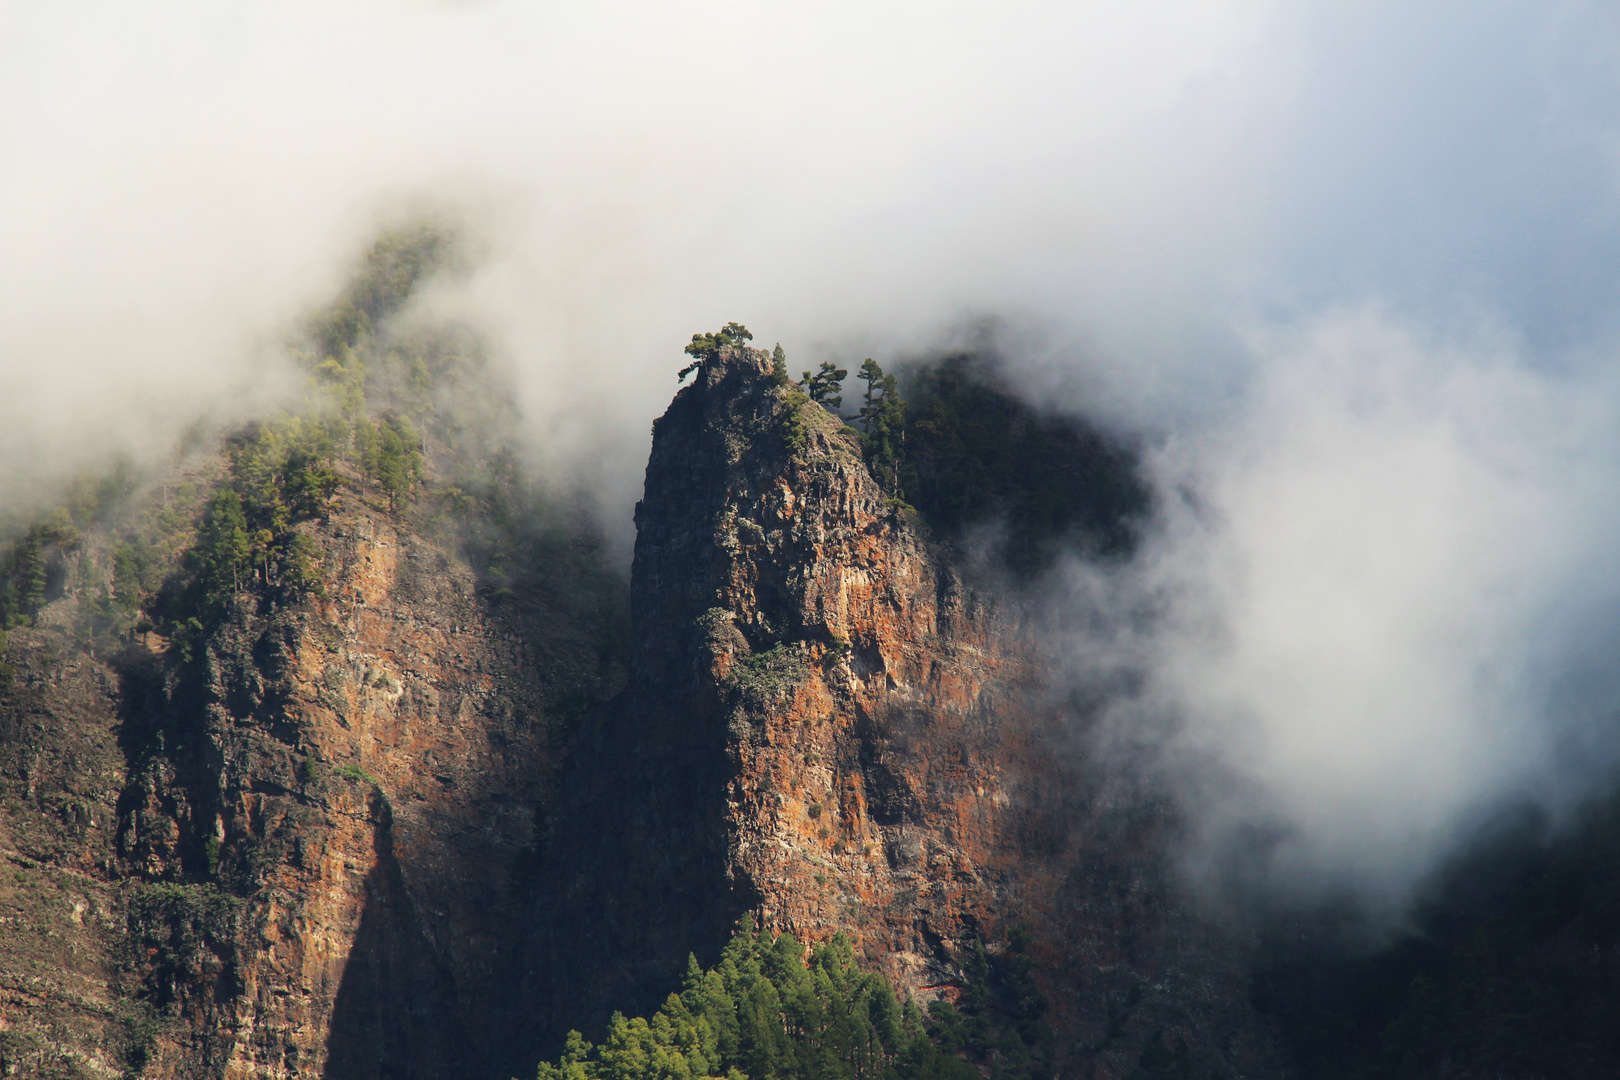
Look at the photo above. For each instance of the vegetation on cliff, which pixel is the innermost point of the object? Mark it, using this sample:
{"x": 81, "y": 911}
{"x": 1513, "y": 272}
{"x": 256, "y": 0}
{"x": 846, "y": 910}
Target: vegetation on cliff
{"x": 182, "y": 552}
{"x": 947, "y": 439}
{"x": 100, "y": 545}
{"x": 769, "y": 1011}
{"x": 382, "y": 394}
{"x": 27, "y": 565}
{"x": 247, "y": 539}
{"x": 883, "y": 426}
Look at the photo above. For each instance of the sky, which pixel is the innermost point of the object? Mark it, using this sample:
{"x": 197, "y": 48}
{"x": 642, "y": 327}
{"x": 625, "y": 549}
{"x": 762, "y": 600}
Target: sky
{"x": 1347, "y": 272}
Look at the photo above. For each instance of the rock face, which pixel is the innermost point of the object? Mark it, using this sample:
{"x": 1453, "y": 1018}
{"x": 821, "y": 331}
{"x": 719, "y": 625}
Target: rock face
{"x": 828, "y": 726}
{"x": 61, "y": 902}
{"x": 369, "y": 836}
{"x": 383, "y": 757}
{"x": 301, "y": 855}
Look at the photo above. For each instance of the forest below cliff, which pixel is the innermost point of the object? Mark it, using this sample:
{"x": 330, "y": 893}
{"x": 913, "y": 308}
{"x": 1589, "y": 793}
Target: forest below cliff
{"x": 1504, "y": 970}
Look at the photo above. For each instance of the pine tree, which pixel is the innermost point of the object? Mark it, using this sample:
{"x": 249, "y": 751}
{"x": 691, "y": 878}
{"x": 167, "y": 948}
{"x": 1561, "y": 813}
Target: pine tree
{"x": 870, "y": 373}
{"x": 367, "y": 446}
{"x": 223, "y": 547}
{"x": 883, "y": 423}
{"x": 706, "y": 347}
{"x": 30, "y": 575}
{"x": 397, "y": 462}
{"x": 826, "y": 386}
{"x": 308, "y": 485}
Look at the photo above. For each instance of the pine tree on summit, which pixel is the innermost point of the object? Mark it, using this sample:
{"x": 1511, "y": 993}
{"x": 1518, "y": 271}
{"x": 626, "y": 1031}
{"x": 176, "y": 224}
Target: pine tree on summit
{"x": 871, "y": 373}
{"x": 706, "y": 347}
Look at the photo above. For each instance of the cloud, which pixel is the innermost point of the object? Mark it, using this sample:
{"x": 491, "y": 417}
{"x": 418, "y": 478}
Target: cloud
{"x": 179, "y": 183}
{"x": 1368, "y": 610}
{"x": 1348, "y": 269}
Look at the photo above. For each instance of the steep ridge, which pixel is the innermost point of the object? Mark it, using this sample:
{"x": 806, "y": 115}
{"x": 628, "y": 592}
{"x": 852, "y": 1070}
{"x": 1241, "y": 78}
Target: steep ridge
{"x": 399, "y": 831}
{"x": 828, "y": 726}
{"x": 302, "y": 854}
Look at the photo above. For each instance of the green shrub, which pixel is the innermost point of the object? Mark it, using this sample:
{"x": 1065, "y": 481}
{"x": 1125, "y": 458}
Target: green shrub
{"x": 354, "y": 772}
{"x": 766, "y": 678}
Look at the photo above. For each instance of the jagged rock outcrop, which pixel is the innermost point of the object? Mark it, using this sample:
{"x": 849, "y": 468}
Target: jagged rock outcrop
{"x": 828, "y": 725}
{"x": 395, "y": 832}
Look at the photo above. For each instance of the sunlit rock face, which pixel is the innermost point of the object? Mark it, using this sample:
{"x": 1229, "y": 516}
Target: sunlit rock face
{"x": 401, "y": 831}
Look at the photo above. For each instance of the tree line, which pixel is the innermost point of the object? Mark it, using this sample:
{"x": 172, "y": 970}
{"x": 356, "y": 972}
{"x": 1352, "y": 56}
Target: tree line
{"x": 768, "y": 1010}
{"x": 968, "y": 454}
{"x": 881, "y": 417}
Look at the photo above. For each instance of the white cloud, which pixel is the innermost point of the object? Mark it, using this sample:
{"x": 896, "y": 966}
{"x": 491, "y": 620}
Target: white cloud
{"x": 1360, "y": 617}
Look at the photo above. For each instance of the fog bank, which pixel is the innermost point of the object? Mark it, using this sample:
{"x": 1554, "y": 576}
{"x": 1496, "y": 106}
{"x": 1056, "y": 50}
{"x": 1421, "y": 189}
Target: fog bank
{"x": 1347, "y": 272}
{"x": 1378, "y": 604}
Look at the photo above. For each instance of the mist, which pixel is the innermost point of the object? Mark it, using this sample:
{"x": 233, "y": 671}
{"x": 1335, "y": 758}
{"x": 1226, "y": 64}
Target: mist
{"x": 1347, "y": 274}
{"x": 1377, "y": 606}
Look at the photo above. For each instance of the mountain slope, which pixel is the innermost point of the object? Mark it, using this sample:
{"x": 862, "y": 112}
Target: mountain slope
{"x": 404, "y": 824}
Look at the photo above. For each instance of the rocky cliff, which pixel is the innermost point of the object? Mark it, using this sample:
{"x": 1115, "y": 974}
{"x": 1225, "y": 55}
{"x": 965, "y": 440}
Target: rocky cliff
{"x": 396, "y": 831}
{"x": 299, "y": 854}
{"x": 830, "y": 726}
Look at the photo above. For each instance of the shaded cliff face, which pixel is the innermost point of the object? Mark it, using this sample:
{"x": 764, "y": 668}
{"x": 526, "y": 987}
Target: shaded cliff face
{"x": 61, "y": 905}
{"x": 397, "y": 831}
